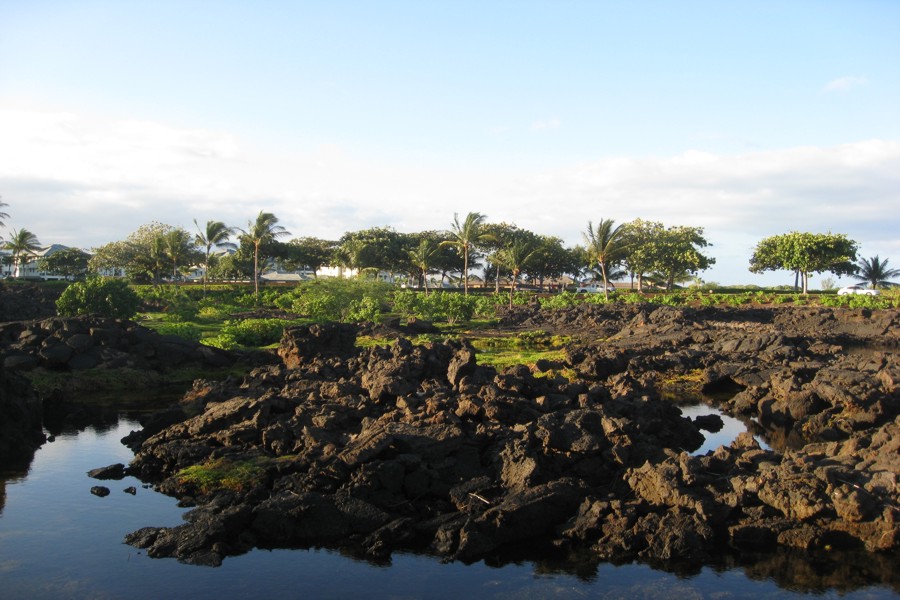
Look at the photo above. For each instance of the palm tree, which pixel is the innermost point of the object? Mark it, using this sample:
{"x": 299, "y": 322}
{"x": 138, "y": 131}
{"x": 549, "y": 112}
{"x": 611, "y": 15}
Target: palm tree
{"x": 179, "y": 248}
{"x": 22, "y": 243}
{"x": 515, "y": 257}
{"x": 158, "y": 257}
{"x": 422, "y": 258}
{"x": 605, "y": 246}
{"x": 264, "y": 230}
{"x": 875, "y": 272}
{"x": 3, "y": 215}
{"x": 215, "y": 234}
{"x": 466, "y": 236}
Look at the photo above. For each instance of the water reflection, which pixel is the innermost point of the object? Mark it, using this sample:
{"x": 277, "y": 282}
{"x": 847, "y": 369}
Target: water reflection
{"x": 731, "y": 427}
{"x": 58, "y": 541}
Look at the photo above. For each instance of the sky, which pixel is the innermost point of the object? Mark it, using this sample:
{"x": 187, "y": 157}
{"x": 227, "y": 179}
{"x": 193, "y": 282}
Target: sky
{"x": 746, "y": 118}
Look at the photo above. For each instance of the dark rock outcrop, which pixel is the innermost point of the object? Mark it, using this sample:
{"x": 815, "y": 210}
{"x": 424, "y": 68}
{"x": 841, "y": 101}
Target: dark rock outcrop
{"x": 419, "y": 447}
{"x": 22, "y": 301}
{"x": 87, "y": 342}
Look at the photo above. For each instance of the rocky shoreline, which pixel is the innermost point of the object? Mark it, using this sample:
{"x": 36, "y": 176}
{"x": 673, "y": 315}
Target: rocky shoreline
{"x": 418, "y": 447}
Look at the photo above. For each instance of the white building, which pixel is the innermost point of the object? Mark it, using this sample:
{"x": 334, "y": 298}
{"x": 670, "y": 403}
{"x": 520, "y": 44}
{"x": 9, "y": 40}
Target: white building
{"x": 28, "y": 269}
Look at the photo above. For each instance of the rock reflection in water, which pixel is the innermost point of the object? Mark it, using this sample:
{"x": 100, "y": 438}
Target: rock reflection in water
{"x": 42, "y": 547}
{"x": 732, "y": 426}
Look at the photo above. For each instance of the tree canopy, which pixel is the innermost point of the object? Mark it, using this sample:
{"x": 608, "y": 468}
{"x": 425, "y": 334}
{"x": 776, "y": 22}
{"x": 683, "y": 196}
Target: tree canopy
{"x": 805, "y": 253}
{"x": 69, "y": 263}
{"x": 146, "y": 253}
{"x": 309, "y": 252}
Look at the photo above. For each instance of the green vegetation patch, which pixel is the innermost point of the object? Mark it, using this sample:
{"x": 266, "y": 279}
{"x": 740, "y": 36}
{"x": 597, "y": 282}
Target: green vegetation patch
{"x": 525, "y": 348}
{"x": 224, "y": 474}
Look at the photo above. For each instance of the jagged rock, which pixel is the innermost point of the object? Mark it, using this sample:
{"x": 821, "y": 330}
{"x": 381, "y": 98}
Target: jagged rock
{"x": 87, "y": 342}
{"x": 419, "y": 447}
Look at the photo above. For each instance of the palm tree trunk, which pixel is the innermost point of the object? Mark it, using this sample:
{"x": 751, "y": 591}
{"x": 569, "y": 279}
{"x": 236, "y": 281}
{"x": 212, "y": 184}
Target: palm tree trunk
{"x": 466, "y": 271}
{"x": 603, "y": 273}
{"x": 206, "y": 271}
{"x": 256, "y": 271}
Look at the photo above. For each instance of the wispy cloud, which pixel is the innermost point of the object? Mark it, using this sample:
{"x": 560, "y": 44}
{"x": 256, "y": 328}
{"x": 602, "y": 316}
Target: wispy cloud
{"x": 842, "y": 84}
{"x": 546, "y": 124}
{"x": 84, "y": 182}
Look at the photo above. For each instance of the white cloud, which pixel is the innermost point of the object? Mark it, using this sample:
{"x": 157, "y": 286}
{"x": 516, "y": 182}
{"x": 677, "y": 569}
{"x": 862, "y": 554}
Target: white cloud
{"x": 546, "y": 124}
{"x": 845, "y": 83}
{"x": 83, "y": 181}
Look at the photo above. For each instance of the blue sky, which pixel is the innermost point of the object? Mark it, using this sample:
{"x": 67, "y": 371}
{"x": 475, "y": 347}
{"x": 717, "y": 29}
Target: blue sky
{"x": 747, "y": 118}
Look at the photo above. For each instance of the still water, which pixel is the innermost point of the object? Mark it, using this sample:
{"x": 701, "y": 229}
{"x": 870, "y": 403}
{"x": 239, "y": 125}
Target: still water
{"x": 57, "y": 540}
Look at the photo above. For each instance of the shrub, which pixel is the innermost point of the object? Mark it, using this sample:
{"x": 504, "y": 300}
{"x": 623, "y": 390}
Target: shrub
{"x": 212, "y": 314}
{"x": 486, "y": 306}
{"x": 407, "y": 302}
{"x": 174, "y": 301}
{"x": 337, "y": 299}
{"x": 319, "y": 306}
{"x": 99, "y": 296}
{"x": 223, "y": 341}
{"x": 633, "y": 298}
{"x": 453, "y": 307}
{"x": 188, "y": 331}
{"x": 366, "y": 308}
{"x": 255, "y": 332}
{"x": 562, "y": 300}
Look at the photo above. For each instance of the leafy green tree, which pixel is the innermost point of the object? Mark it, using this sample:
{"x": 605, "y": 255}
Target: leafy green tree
{"x": 805, "y": 253}
{"x": 7, "y": 261}
{"x": 99, "y": 296}
{"x": 551, "y": 260}
{"x": 465, "y": 237}
{"x": 264, "y": 229}
{"x": 606, "y": 246}
{"x": 309, "y": 252}
{"x": 374, "y": 249}
{"x": 141, "y": 256}
{"x": 643, "y": 254}
{"x": 21, "y": 244}
{"x": 69, "y": 262}
{"x": 215, "y": 234}
{"x": 875, "y": 272}
{"x": 111, "y": 258}
{"x": 233, "y": 266}
{"x": 678, "y": 254}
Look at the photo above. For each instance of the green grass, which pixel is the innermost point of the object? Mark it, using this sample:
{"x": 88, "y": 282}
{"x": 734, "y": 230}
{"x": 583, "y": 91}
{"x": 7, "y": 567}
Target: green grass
{"x": 224, "y": 474}
{"x": 525, "y": 348}
{"x": 507, "y": 358}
